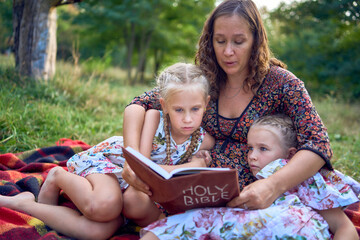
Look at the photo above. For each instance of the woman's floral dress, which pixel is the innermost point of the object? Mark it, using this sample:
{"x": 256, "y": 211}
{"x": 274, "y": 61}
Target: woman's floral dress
{"x": 280, "y": 92}
{"x": 291, "y": 216}
{"x": 107, "y": 156}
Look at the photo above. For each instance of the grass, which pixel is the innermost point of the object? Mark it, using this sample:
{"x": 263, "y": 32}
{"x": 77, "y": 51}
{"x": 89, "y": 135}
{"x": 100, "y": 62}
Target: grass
{"x": 88, "y": 106}
{"x": 73, "y": 105}
{"x": 342, "y": 122}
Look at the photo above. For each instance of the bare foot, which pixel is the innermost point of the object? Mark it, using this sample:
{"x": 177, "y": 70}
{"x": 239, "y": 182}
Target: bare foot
{"x": 49, "y": 192}
{"x": 16, "y": 202}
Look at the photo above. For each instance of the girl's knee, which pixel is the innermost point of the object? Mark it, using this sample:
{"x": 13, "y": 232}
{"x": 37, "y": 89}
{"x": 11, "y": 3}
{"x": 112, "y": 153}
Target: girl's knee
{"x": 104, "y": 208}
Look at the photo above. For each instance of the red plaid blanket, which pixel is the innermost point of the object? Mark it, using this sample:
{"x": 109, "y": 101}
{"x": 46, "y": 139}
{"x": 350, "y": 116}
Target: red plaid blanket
{"x": 26, "y": 171}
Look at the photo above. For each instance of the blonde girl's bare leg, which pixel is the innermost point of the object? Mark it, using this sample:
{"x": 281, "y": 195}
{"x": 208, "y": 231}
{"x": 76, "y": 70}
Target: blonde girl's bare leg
{"x": 140, "y": 208}
{"x": 49, "y": 191}
{"x": 98, "y": 196}
{"x": 62, "y": 219}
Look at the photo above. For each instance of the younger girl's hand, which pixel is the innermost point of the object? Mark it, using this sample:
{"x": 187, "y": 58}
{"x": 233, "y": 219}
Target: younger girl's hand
{"x": 130, "y": 177}
{"x": 202, "y": 155}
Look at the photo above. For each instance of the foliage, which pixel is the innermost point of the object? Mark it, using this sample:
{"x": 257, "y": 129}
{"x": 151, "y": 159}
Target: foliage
{"x": 319, "y": 41}
{"x": 5, "y": 25}
{"x": 136, "y": 34}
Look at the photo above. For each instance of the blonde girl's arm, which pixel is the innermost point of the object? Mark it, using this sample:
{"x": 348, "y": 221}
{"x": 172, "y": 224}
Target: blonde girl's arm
{"x": 203, "y": 155}
{"x": 339, "y": 224}
{"x": 208, "y": 142}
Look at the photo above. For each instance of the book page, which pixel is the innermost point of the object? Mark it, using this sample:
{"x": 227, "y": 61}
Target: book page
{"x": 179, "y": 171}
{"x": 184, "y": 171}
{"x": 162, "y": 172}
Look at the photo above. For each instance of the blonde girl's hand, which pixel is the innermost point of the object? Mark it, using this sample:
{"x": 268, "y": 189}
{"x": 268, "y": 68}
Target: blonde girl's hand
{"x": 132, "y": 179}
{"x": 257, "y": 195}
{"x": 202, "y": 155}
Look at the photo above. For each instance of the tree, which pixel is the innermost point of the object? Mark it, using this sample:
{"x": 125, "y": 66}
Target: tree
{"x": 34, "y": 33}
{"x": 319, "y": 41}
{"x": 140, "y": 33}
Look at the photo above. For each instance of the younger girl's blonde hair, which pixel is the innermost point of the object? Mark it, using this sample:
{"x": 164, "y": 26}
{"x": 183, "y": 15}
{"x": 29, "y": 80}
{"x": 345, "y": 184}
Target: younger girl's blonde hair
{"x": 179, "y": 77}
{"x": 284, "y": 124}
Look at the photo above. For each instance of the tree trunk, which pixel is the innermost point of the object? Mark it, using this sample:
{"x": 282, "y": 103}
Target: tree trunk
{"x": 158, "y": 57}
{"x": 130, "y": 41}
{"x": 144, "y": 45}
{"x": 34, "y": 23}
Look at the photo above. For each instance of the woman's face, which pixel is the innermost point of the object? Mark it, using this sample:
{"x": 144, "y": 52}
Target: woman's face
{"x": 232, "y": 43}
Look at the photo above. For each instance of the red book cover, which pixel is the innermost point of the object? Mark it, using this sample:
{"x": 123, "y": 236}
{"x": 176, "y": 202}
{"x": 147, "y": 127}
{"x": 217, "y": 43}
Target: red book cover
{"x": 185, "y": 188}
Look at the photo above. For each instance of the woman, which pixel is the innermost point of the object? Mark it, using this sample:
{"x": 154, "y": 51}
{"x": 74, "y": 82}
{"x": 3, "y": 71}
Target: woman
{"x": 246, "y": 84}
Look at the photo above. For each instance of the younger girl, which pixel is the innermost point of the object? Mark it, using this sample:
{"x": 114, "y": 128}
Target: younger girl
{"x": 170, "y": 138}
{"x": 302, "y": 211}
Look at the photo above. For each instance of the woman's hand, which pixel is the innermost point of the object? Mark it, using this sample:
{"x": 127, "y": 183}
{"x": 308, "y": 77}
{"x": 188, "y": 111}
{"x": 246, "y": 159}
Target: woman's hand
{"x": 131, "y": 178}
{"x": 257, "y": 195}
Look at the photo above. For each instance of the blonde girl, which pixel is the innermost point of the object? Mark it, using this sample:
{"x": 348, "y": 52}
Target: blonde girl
{"x": 93, "y": 181}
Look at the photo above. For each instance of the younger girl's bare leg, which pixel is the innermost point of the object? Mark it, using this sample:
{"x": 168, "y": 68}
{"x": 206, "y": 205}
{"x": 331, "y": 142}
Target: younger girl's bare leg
{"x": 62, "y": 219}
{"x": 98, "y": 196}
{"x": 149, "y": 236}
{"x": 140, "y": 208}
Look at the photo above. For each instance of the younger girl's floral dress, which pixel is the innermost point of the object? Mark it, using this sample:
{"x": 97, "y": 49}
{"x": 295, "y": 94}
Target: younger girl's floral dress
{"x": 107, "y": 156}
{"x": 291, "y": 216}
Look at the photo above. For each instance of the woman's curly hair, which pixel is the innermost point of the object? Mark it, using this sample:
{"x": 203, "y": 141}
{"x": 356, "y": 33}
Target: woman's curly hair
{"x": 261, "y": 56}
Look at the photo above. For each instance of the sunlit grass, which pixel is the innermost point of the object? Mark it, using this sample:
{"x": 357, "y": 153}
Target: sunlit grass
{"x": 71, "y": 105}
{"x": 343, "y": 123}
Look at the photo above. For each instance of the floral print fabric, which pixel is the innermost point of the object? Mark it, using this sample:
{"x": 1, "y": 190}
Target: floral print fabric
{"x": 291, "y": 216}
{"x": 280, "y": 92}
{"x": 107, "y": 156}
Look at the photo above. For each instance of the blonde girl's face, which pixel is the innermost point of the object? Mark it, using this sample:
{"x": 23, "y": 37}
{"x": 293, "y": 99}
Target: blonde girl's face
{"x": 186, "y": 109}
{"x": 265, "y": 145}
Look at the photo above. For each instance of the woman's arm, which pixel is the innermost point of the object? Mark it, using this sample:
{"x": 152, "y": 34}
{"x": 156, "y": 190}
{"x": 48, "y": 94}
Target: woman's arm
{"x": 151, "y": 124}
{"x": 134, "y": 116}
{"x": 262, "y": 193}
{"x": 339, "y": 224}
{"x": 314, "y": 147}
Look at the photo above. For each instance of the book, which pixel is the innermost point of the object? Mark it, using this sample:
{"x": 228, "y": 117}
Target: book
{"x": 184, "y": 188}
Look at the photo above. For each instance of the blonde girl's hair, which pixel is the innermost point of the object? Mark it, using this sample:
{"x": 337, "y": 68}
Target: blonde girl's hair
{"x": 179, "y": 77}
{"x": 284, "y": 124}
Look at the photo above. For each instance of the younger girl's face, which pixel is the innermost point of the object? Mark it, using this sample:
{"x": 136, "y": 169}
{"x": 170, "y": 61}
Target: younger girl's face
{"x": 265, "y": 145}
{"x": 186, "y": 109}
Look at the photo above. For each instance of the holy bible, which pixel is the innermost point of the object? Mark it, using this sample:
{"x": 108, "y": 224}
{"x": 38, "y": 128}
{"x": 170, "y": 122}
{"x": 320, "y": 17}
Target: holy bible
{"x": 184, "y": 188}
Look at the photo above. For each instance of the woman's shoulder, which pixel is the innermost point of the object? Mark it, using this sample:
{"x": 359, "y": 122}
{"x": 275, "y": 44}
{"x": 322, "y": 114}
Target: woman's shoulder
{"x": 280, "y": 78}
{"x": 279, "y": 73}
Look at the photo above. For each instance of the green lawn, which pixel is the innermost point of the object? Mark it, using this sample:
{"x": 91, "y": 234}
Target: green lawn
{"x": 88, "y": 106}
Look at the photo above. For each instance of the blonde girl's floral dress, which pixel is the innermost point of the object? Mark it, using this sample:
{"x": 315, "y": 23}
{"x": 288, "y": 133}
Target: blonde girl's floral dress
{"x": 291, "y": 216}
{"x": 107, "y": 156}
